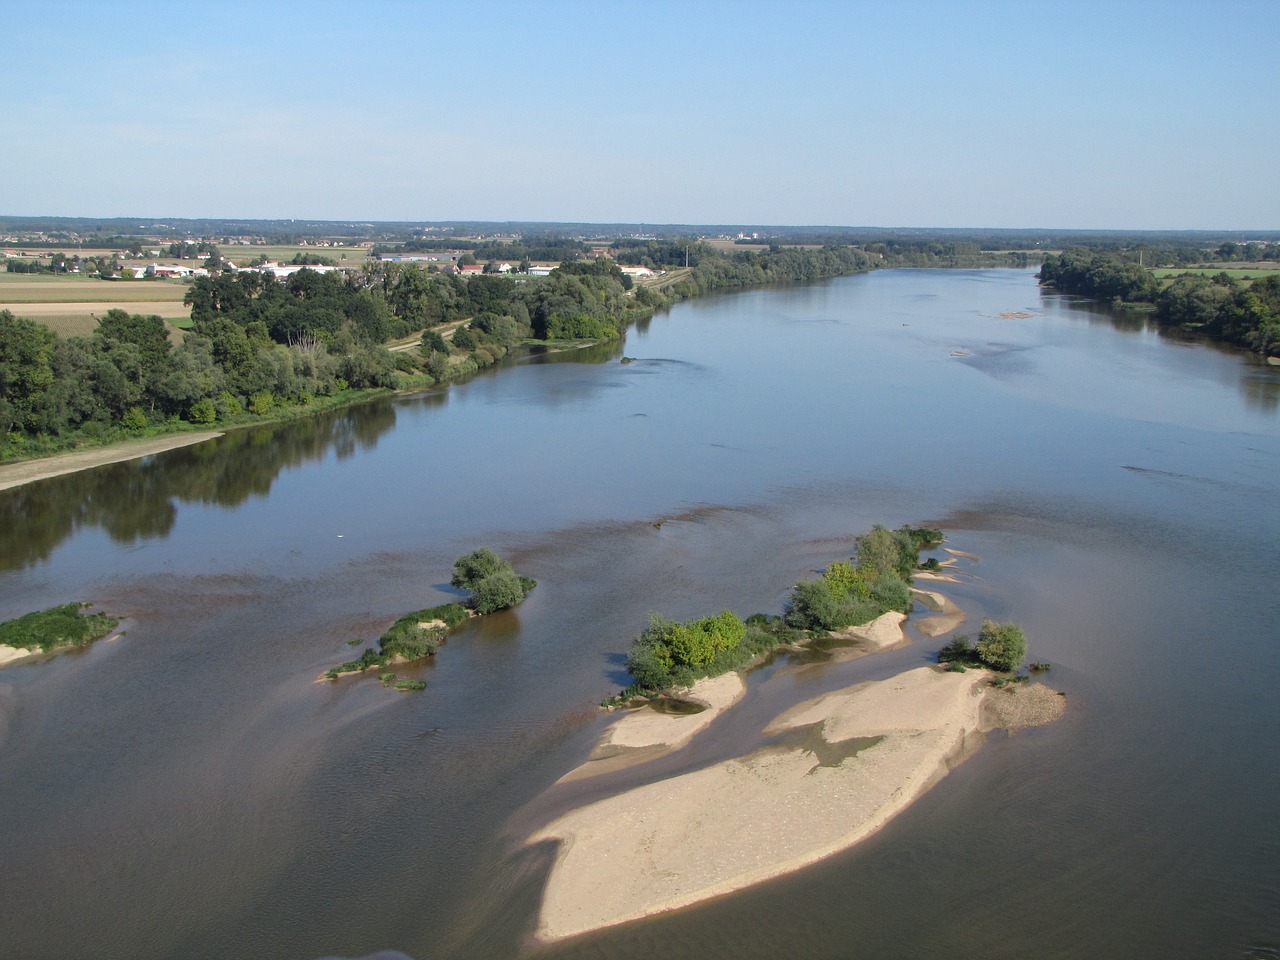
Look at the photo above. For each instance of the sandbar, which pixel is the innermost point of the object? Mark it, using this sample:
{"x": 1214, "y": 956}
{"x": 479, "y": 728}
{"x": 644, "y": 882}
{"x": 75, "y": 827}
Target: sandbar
{"x": 10, "y": 654}
{"x": 27, "y": 471}
{"x": 845, "y": 764}
{"x": 947, "y": 616}
{"x": 884, "y": 631}
{"x": 644, "y": 734}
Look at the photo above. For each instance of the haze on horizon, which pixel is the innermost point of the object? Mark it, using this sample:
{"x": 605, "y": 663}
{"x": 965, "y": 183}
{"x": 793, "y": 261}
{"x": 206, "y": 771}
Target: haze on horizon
{"x": 1116, "y": 115}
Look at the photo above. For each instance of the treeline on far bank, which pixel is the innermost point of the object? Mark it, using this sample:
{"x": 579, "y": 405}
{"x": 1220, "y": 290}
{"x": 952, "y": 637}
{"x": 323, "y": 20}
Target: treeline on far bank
{"x": 1219, "y": 307}
{"x": 262, "y": 347}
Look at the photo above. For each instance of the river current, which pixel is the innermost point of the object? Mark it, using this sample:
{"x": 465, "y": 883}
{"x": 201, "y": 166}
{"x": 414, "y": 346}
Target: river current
{"x": 188, "y": 790}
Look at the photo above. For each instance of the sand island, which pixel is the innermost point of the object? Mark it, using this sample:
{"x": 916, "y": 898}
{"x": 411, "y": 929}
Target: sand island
{"x": 835, "y": 769}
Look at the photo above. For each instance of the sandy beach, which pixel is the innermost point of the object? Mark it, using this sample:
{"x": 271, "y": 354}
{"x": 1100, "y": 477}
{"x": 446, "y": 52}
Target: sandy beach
{"x": 644, "y": 734}
{"x": 27, "y": 471}
{"x": 11, "y": 654}
{"x": 845, "y": 764}
{"x": 947, "y": 616}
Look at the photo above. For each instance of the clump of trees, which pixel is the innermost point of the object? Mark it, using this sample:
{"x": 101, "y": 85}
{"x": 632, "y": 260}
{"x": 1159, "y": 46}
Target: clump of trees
{"x": 490, "y": 580}
{"x": 63, "y": 626}
{"x": 875, "y": 580}
{"x": 1104, "y": 276}
{"x": 669, "y": 653}
{"x": 1219, "y": 307}
{"x": 1000, "y": 646}
{"x": 675, "y": 654}
{"x": 493, "y": 585}
{"x": 261, "y": 345}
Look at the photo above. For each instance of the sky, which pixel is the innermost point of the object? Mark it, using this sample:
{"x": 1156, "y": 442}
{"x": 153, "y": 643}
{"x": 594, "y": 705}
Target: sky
{"x": 910, "y": 113}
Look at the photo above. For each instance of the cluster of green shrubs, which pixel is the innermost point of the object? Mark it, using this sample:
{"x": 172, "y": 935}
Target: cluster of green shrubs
{"x": 671, "y": 654}
{"x": 875, "y": 580}
{"x": 1000, "y": 646}
{"x": 64, "y": 626}
{"x": 492, "y": 583}
{"x": 407, "y": 639}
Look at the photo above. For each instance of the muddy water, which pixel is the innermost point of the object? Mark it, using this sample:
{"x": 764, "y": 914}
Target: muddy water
{"x": 188, "y": 791}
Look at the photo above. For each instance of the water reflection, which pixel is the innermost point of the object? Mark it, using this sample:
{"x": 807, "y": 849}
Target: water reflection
{"x": 1257, "y": 382}
{"x": 137, "y": 500}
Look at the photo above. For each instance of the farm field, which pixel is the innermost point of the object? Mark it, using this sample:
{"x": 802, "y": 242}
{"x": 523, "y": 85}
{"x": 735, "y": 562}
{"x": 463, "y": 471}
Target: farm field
{"x": 341, "y": 256}
{"x": 1236, "y": 273}
{"x": 18, "y": 288}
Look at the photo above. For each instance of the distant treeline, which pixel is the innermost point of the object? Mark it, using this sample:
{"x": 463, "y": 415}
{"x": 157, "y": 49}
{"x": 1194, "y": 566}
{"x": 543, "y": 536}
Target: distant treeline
{"x": 114, "y": 232}
{"x": 1218, "y": 307}
{"x": 260, "y": 344}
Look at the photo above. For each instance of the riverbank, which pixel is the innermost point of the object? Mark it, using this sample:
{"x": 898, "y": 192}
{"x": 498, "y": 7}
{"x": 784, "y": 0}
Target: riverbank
{"x": 844, "y": 764}
{"x": 28, "y": 471}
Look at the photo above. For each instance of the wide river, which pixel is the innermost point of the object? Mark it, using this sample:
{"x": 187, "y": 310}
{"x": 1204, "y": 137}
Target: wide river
{"x": 188, "y": 791}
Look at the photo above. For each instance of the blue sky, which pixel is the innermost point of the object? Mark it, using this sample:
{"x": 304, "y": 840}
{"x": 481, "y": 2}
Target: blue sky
{"x": 1125, "y": 115}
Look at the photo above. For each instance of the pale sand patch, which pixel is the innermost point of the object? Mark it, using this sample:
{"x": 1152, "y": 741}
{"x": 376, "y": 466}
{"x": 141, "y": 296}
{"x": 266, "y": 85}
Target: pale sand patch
{"x": 649, "y": 728}
{"x": 931, "y": 575}
{"x": 676, "y": 842}
{"x": 10, "y": 654}
{"x": 644, "y": 734}
{"x": 27, "y": 471}
{"x": 947, "y": 616}
{"x": 884, "y": 631}
{"x": 961, "y": 553}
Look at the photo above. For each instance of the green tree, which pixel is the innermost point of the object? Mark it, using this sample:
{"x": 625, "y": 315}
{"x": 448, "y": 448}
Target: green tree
{"x": 471, "y": 568}
{"x": 26, "y": 372}
{"x": 498, "y": 591}
{"x": 1001, "y": 646}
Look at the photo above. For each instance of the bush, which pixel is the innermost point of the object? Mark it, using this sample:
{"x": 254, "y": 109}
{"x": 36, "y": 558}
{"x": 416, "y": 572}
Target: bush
{"x": 203, "y": 411}
{"x": 497, "y": 592}
{"x": 134, "y": 419}
{"x": 464, "y": 339}
{"x": 471, "y": 568}
{"x": 1001, "y": 646}
{"x": 491, "y": 581}
{"x": 227, "y": 405}
{"x": 261, "y": 403}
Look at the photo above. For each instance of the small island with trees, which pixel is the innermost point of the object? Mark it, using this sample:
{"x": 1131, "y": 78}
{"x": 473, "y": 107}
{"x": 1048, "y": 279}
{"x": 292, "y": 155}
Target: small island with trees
{"x": 49, "y": 631}
{"x": 875, "y": 581}
{"x": 492, "y": 584}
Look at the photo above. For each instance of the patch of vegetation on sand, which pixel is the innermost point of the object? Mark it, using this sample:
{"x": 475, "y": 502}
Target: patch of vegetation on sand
{"x": 64, "y": 626}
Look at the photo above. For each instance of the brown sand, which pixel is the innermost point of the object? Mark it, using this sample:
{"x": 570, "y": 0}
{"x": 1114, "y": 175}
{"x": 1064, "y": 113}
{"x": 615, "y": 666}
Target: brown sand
{"x": 27, "y": 471}
{"x": 1019, "y": 705}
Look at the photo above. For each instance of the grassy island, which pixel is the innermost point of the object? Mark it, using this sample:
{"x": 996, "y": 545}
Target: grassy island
{"x": 874, "y": 581}
{"x": 46, "y": 631}
{"x": 493, "y": 586}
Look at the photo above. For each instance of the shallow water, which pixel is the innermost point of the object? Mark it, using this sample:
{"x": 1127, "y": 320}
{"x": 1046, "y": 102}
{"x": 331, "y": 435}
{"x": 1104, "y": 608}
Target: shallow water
{"x": 188, "y": 791}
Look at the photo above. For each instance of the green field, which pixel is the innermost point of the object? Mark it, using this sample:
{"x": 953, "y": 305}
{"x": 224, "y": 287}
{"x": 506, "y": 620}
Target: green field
{"x": 1235, "y": 273}
{"x": 51, "y": 288}
{"x": 242, "y": 256}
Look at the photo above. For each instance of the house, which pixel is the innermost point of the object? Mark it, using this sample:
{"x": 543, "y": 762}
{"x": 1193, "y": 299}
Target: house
{"x": 469, "y": 268}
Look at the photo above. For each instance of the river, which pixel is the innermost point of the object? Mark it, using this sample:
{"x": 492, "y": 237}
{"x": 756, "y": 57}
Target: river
{"x": 188, "y": 791}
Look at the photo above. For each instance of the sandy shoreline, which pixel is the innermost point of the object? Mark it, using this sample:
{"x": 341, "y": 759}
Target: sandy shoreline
{"x": 644, "y": 734}
{"x": 846, "y": 763}
{"x": 28, "y": 471}
{"x": 11, "y": 654}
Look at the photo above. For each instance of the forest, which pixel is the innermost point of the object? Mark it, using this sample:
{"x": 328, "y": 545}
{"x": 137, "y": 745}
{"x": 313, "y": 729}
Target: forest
{"x": 1218, "y": 307}
{"x": 264, "y": 347}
